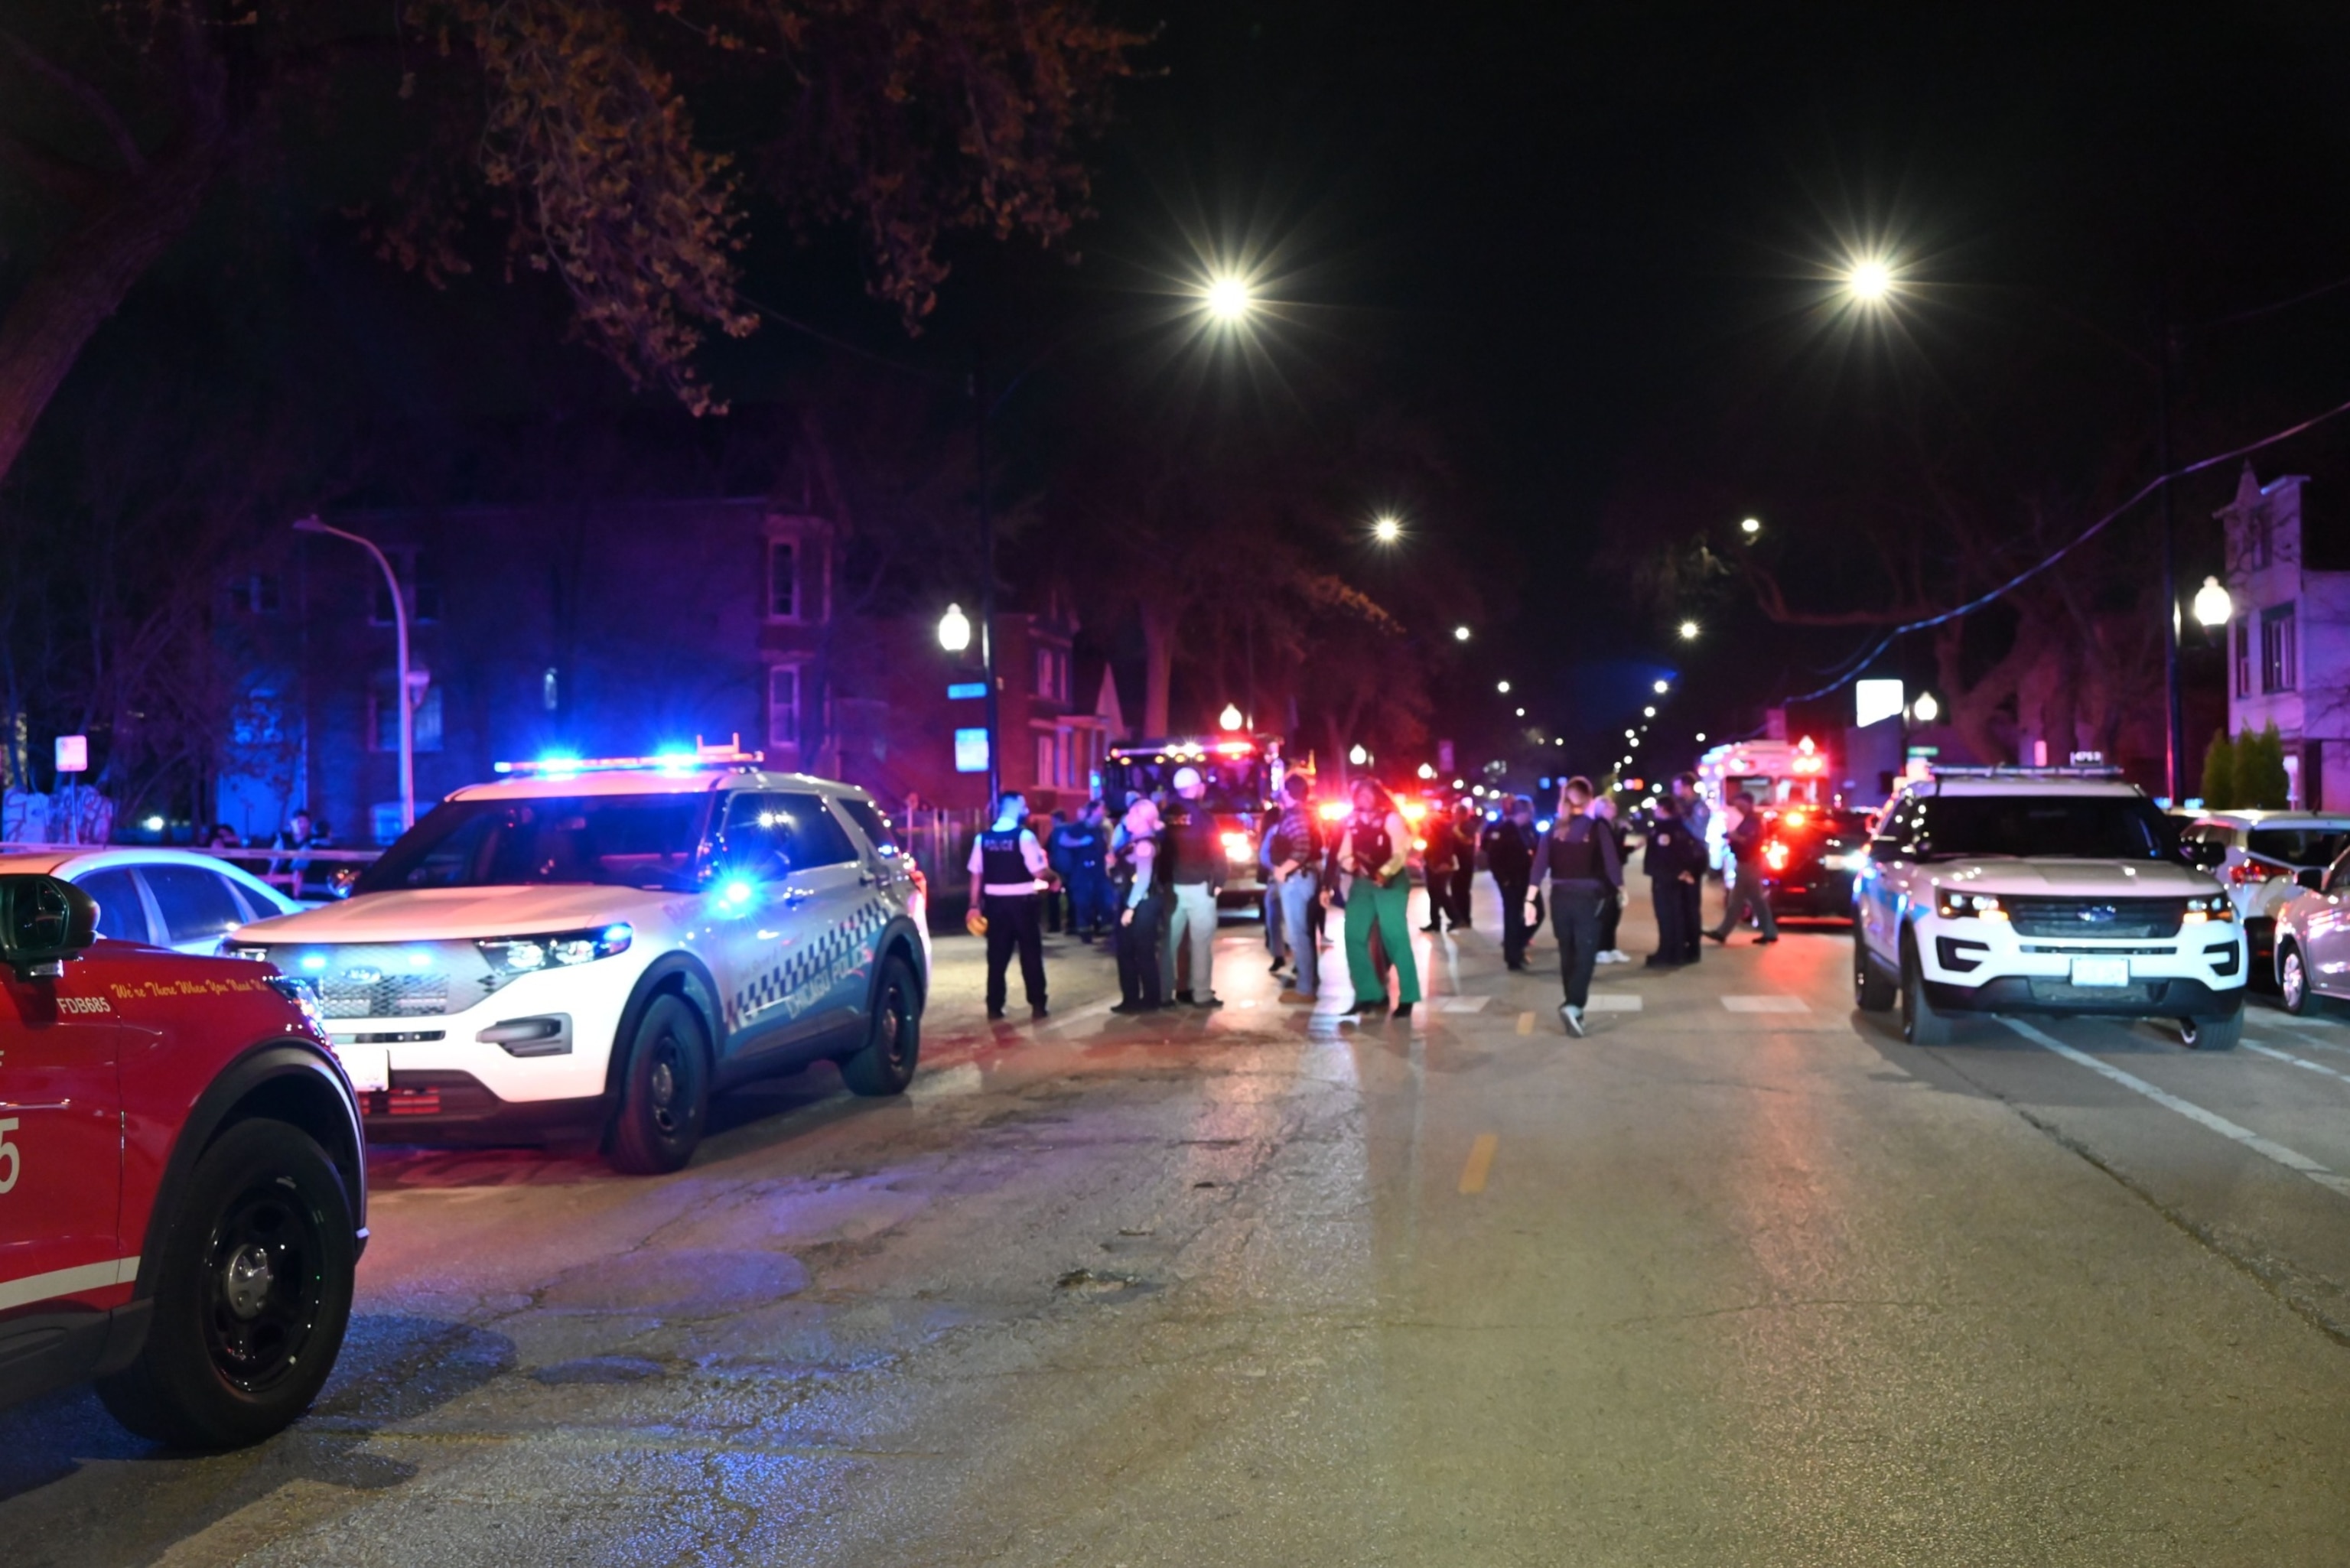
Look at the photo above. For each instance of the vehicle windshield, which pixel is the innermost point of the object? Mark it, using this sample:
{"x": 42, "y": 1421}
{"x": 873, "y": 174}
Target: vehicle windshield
{"x": 2309, "y": 844}
{"x": 613, "y": 840}
{"x": 1235, "y": 784}
{"x": 2084, "y": 826}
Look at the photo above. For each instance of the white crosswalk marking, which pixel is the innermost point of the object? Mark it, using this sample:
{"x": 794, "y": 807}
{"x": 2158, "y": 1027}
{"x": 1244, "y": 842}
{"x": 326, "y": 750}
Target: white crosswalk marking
{"x": 1461, "y": 1003}
{"x": 1612, "y": 1002}
{"x": 1766, "y": 1004}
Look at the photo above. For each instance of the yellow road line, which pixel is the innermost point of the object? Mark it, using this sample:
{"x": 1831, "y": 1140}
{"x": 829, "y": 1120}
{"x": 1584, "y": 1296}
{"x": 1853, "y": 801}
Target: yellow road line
{"x": 1526, "y": 1023}
{"x": 1481, "y": 1164}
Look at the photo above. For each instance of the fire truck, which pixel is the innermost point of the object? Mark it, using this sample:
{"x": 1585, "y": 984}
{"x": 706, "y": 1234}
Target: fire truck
{"x": 1243, "y": 774}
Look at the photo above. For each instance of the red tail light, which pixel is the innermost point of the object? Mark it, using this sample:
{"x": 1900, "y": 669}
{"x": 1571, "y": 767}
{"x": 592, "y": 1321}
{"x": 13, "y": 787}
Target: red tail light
{"x": 2244, "y": 871}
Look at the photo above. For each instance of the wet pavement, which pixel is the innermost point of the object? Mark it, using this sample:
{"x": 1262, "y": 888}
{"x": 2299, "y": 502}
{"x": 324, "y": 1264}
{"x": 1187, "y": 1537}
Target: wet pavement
{"x": 1738, "y": 1279}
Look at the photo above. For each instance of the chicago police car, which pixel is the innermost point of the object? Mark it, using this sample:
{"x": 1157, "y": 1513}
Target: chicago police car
{"x": 592, "y": 948}
{"x": 182, "y": 1180}
{"x": 2041, "y": 890}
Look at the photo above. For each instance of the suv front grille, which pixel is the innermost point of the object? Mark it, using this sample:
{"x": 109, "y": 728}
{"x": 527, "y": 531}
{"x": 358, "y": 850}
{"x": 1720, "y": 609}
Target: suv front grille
{"x": 388, "y": 979}
{"x": 2099, "y": 917}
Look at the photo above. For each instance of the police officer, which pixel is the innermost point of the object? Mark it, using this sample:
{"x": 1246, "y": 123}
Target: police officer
{"x": 1195, "y": 871}
{"x": 1578, "y": 856}
{"x": 1509, "y": 847}
{"x": 1007, "y": 871}
{"x": 1078, "y": 852}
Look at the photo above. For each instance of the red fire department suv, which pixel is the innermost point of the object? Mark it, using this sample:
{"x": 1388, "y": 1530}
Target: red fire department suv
{"x": 183, "y": 1195}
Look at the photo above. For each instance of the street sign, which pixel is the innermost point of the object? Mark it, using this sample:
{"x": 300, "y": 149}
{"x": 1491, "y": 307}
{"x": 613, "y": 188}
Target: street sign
{"x": 962, "y": 689}
{"x": 971, "y": 751}
{"x": 1925, "y": 751}
{"x": 73, "y": 754}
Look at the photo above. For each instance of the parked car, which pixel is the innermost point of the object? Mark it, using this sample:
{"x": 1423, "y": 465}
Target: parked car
{"x": 183, "y": 1179}
{"x": 2041, "y": 890}
{"x": 2311, "y": 962}
{"x": 2259, "y": 855}
{"x": 173, "y": 899}
{"x": 1809, "y": 857}
{"x": 590, "y": 950}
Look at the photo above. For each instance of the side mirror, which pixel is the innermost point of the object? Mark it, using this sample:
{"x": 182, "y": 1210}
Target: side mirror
{"x": 2312, "y": 877}
{"x": 44, "y": 921}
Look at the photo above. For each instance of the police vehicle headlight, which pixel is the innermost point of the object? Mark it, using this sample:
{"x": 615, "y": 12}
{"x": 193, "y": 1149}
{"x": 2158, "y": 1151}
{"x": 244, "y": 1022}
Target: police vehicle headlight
{"x": 2209, "y": 906}
{"x": 510, "y": 958}
{"x": 1957, "y": 904}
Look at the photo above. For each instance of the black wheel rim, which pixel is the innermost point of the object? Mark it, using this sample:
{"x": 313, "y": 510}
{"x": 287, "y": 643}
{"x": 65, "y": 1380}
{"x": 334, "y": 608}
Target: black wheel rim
{"x": 896, "y": 1031}
{"x": 667, "y": 1098}
{"x": 264, "y": 1286}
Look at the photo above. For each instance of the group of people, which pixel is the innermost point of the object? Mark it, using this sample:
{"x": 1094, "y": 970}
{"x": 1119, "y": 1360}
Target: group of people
{"x": 1151, "y": 884}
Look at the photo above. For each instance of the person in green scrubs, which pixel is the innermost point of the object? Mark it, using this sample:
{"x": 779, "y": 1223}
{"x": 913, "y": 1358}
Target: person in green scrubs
{"x": 1372, "y": 851}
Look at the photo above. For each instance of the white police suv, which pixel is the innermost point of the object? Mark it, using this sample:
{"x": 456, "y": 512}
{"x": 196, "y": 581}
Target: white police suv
{"x": 2041, "y": 890}
{"x": 592, "y": 948}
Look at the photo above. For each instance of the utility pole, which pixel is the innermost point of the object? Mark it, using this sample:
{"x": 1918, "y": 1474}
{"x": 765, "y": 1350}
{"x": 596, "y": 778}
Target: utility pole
{"x": 2175, "y": 726}
{"x": 987, "y": 590}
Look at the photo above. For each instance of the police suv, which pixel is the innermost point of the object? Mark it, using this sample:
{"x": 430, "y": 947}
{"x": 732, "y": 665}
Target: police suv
{"x": 2041, "y": 890}
{"x": 590, "y": 950}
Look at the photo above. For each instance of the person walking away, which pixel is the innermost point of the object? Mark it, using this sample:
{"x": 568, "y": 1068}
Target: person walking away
{"x": 1007, "y": 871}
{"x": 1509, "y": 848}
{"x": 1698, "y": 818}
{"x": 1142, "y": 907}
{"x": 1076, "y": 851}
{"x": 1673, "y": 861}
{"x": 1296, "y": 848}
{"x": 1743, "y": 835}
{"x": 1372, "y": 851}
{"x": 1579, "y": 859}
{"x": 1437, "y": 862}
{"x": 1611, "y": 912}
{"x": 1464, "y": 865}
{"x": 1194, "y": 867}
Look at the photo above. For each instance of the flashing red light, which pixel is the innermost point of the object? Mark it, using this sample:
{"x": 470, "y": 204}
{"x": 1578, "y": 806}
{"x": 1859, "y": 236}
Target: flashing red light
{"x": 1332, "y": 810}
{"x": 2245, "y": 871}
{"x": 1774, "y": 856}
{"x": 1795, "y": 819}
{"x": 1233, "y": 748}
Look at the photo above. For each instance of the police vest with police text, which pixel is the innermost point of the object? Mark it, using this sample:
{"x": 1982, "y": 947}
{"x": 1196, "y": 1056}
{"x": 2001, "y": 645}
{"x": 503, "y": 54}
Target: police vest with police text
{"x": 1000, "y": 863}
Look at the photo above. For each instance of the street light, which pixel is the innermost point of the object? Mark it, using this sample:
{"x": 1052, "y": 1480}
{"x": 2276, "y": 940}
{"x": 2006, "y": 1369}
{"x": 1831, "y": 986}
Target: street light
{"x": 1357, "y": 755}
{"x": 2214, "y": 606}
{"x": 1428, "y": 770}
{"x": 1460, "y": 633}
{"x": 1752, "y": 526}
{"x": 1925, "y": 710}
{"x": 1228, "y": 298}
{"x": 1689, "y": 631}
{"x": 1231, "y": 718}
{"x": 1648, "y": 712}
{"x": 954, "y": 630}
{"x": 1386, "y": 528}
{"x": 1700, "y": 737}
{"x": 1662, "y": 687}
{"x": 1521, "y": 713}
{"x": 1869, "y": 281}
{"x": 405, "y": 700}
{"x": 1502, "y": 686}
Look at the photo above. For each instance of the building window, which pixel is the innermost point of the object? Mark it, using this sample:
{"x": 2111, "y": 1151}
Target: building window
{"x": 2279, "y": 670}
{"x": 2257, "y": 534}
{"x": 1052, "y": 673}
{"x": 784, "y": 707}
{"x": 1047, "y": 771}
{"x": 253, "y": 595}
{"x": 418, "y": 584}
{"x": 782, "y": 579}
{"x": 383, "y": 720}
{"x": 2243, "y": 656}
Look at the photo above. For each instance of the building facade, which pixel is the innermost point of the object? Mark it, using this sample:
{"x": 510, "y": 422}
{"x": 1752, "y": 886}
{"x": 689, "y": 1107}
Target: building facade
{"x": 2289, "y": 642}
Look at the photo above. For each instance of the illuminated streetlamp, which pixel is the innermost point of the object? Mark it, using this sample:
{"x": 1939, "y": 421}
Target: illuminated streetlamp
{"x": 1357, "y": 755}
{"x": 2213, "y": 606}
{"x": 1752, "y": 526}
{"x": 1502, "y": 686}
{"x": 1521, "y": 713}
{"x": 1869, "y": 281}
{"x": 1700, "y": 737}
{"x": 1231, "y": 718}
{"x": 1925, "y": 710}
{"x": 1662, "y": 687}
{"x": 1648, "y": 712}
{"x": 954, "y": 630}
{"x": 1228, "y": 298}
{"x": 1386, "y": 528}
{"x": 1689, "y": 629}
{"x": 1428, "y": 770}
{"x": 1460, "y": 633}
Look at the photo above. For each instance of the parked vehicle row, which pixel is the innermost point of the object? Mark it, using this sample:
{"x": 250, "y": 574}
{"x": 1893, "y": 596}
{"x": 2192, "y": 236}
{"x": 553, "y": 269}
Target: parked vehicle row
{"x": 577, "y": 952}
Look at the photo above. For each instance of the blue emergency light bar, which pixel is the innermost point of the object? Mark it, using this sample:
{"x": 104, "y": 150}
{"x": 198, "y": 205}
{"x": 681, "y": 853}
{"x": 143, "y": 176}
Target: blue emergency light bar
{"x": 731, "y": 754}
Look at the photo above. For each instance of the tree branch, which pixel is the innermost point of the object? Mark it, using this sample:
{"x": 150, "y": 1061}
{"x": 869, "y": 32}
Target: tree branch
{"x": 126, "y": 145}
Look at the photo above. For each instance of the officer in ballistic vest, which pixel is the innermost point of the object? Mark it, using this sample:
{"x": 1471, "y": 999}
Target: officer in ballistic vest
{"x": 1007, "y": 878}
{"x": 1195, "y": 869}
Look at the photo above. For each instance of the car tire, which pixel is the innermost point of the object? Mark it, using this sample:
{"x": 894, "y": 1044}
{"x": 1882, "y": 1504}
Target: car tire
{"x": 1922, "y": 1024}
{"x": 253, "y": 1293}
{"x": 1872, "y": 990}
{"x": 885, "y": 1064}
{"x": 664, "y": 1092}
{"x": 2212, "y": 1033}
{"x": 2293, "y": 978}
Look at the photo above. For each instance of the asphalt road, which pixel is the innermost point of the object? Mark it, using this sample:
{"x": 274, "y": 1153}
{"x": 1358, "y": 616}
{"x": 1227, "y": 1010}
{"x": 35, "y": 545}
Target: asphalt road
{"x": 1739, "y": 1279}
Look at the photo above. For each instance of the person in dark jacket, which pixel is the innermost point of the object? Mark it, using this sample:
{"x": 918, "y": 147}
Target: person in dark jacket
{"x": 1079, "y": 850}
{"x": 1141, "y": 894}
{"x": 1509, "y": 847}
{"x": 1463, "y": 828}
{"x": 1743, "y": 834}
{"x": 1436, "y": 862}
{"x": 1611, "y": 913}
{"x": 1579, "y": 859}
{"x": 1674, "y": 860}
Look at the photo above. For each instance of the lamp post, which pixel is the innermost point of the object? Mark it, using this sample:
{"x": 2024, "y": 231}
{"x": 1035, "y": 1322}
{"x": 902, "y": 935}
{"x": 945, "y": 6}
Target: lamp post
{"x": 403, "y": 697}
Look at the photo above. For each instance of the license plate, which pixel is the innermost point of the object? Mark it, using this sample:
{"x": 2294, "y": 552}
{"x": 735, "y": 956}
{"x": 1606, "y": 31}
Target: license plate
{"x": 369, "y": 1066}
{"x": 2101, "y": 971}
